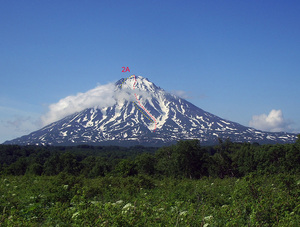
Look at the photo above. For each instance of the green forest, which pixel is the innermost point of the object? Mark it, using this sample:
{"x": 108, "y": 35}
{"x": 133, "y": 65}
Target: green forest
{"x": 186, "y": 184}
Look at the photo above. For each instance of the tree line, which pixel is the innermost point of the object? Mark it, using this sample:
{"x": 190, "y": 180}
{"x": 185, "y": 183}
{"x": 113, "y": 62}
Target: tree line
{"x": 186, "y": 159}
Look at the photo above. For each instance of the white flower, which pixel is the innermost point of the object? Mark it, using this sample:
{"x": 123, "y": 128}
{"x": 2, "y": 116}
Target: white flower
{"x": 95, "y": 202}
{"x": 173, "y": 209}
{"x": 75, "y": 215}
{"x": 127, "y": 206}
{"x": 119, "y": 202}
{"x": 208, "y": 218}
{"x": 183, "y": 213}
{"x": 66, "y": 186}
{"x": 212, "y": 183}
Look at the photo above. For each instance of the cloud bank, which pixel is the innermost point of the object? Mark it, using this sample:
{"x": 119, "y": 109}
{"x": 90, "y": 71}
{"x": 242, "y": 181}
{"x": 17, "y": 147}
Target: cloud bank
{"x": 101, "y": 96}
{"x": 273, "y": 122}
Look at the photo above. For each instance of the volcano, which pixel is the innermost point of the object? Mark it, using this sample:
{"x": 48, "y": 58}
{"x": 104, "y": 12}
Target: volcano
{"x": 145, "y": 114}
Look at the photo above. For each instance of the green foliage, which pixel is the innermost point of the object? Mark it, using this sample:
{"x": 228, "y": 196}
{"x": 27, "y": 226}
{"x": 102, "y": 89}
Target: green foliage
{"x": 35, "y": 169}
{"x": 146, "y": 163}
{"x": 19, "y": 167}
{"x": 230, "y": 184}
{"x": 125, "y": 168}
{"x": 190, "y": 159}
{"x": 166, "y": 164}
{"x": 186, "y": 159}
{"x": 66, "y": 200}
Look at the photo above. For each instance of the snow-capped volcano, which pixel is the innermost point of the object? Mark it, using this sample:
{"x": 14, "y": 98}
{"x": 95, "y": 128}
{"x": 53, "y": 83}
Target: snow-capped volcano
{"x": 145, "y": 114}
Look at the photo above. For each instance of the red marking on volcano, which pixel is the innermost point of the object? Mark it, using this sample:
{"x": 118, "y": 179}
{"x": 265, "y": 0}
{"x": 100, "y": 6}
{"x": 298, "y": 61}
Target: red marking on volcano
{"x": 142, "y": 105}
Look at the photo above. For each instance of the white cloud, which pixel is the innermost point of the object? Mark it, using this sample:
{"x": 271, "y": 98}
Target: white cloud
{"x": 187, "y": 95}
{"x": 274, "y": 122}
{"x": 181, "y": 94}
{"x": 15, "y": 123}
{"x": 101, "y": 96}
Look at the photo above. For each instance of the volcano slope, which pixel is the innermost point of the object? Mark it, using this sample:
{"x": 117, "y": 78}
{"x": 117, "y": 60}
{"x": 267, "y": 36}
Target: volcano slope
{"x": 145, "y": 114}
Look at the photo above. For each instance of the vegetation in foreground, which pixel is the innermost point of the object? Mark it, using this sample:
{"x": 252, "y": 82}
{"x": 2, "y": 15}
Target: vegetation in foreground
{"x": 63, "y": 200}
{"x": 181, "y": 185}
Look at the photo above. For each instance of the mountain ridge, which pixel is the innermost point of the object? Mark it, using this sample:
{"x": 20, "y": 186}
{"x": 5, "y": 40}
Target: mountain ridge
{"x": 162, "y": 118}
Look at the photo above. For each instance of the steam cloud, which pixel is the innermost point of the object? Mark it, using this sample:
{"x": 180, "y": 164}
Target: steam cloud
{"x": 274, "y": 122}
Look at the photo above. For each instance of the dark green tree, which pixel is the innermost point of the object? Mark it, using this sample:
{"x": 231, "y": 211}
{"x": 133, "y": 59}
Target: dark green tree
{"x": 19, "y": 167}
{"x": 35, "y": 169}
{"x": 145, "y": 164}
{"x": 222, "y": 161}
{"x": 190, "y": 158}
{"x": 126, "y": 168}
{"x": 166, "y": 162}
{"x": 100, "y": 167}
{"x": 69, "y": 164}
{"x": 244, "y": 159}
{"x": 53, "y": 165}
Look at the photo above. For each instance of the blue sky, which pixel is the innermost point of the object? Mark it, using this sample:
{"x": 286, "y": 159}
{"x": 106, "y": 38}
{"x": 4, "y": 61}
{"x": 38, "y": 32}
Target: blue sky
{"x": 236, "y": 59}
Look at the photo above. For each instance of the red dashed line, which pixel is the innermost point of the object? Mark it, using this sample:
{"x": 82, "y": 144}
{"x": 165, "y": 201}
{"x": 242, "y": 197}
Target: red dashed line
{"x": 142, "y": 105}
{"x": 139, "y": 101}
{"x": 147, "y": 116}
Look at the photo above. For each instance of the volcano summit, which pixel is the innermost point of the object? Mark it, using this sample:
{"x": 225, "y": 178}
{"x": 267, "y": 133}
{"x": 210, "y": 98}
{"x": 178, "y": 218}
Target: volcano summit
{"x": 144, "y": 113}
